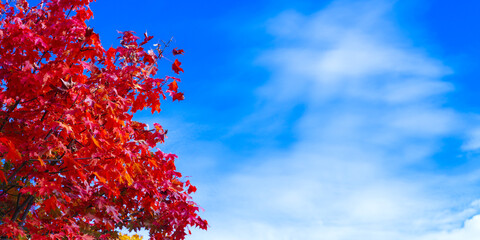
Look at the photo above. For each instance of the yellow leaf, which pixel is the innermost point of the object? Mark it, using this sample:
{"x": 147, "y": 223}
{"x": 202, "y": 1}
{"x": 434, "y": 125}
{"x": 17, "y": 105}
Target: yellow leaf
{"x": 128, "y": 178}
{"x": 42, "y": 163}
{"x": 101, "y": 179}
{"x": 152, "y": 161}
{"x": 133, "y": 237}
{"x": 137, "y": 166}
{"x": 95, "y": 142}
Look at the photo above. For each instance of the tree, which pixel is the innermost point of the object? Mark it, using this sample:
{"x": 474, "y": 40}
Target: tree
{"x": 74, "y": 165}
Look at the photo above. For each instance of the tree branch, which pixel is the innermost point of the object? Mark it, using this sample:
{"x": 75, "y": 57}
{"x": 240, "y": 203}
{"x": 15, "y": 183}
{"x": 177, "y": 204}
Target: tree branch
{"x": 16, "y": 171}
{"x": 17, "y": 211}
{"x": 27, "y": 209}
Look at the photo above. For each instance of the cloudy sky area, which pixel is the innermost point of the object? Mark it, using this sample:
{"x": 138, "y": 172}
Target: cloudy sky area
{"x": 331, "y": 120}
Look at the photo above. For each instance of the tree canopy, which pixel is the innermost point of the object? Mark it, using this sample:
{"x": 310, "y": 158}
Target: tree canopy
{"x": 74, "y": 165}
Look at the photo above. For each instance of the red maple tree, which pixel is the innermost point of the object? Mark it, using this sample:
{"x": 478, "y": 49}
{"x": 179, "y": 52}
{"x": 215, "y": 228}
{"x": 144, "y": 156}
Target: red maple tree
{"x": 74, "y": 165}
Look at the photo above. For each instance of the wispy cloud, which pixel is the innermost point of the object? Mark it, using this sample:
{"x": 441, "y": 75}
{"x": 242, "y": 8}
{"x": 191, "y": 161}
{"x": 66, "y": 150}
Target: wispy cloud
{"x": 470, "y": 230}
{"x": 374, "y": 117}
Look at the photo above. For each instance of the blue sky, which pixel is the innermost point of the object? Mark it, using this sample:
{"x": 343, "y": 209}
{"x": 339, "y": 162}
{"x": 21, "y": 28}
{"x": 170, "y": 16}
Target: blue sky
{"x": 332, "y": 120}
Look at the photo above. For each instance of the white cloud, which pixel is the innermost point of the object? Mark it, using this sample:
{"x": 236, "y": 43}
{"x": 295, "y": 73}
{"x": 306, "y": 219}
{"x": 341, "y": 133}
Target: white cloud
{"x": 470, "y": 231}
{"x": 473, "y": 142}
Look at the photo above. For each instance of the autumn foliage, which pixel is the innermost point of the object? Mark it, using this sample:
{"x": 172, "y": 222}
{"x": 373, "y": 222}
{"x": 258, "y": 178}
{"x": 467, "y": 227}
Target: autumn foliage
{"x": 74, "y": 165}
{"x": 126, "y": 237}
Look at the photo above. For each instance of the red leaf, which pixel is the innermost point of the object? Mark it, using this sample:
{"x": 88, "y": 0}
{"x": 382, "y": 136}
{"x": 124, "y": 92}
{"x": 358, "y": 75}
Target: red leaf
{"x": 146, "y": 39}
{"x": 178, "y": 96}
{"x": 50, "y": 204}
{"x": 176, "y": 52}
{"x": 113, "y": 213}
{"x": 158, "y": 127}
{"x": 192, "y": 189}
{"x": 12, "y": 153}
{"x": 176, "y": 66}
{"x": 173, "y": 86}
